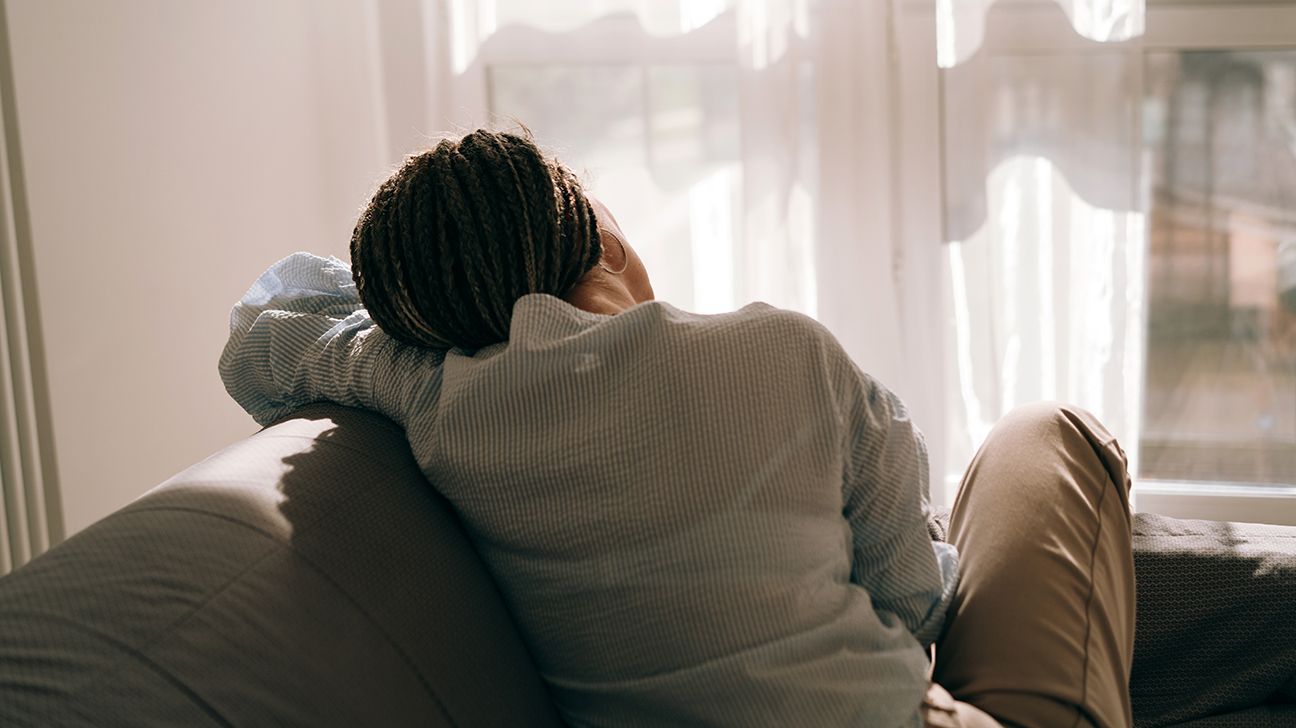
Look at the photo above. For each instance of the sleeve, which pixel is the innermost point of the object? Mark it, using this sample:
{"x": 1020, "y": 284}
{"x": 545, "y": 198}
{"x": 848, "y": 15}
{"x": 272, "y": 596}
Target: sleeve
{"x": 885, "y": 502}
{"x": 300, "y": 335}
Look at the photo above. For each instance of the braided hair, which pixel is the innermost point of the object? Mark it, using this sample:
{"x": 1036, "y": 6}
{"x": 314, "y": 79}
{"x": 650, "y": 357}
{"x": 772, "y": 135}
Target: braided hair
{"x": 459, "y": 233}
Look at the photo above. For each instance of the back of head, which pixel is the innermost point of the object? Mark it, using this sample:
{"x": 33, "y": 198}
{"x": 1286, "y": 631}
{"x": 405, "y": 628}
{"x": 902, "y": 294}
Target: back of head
{"x": 455, "y": 236}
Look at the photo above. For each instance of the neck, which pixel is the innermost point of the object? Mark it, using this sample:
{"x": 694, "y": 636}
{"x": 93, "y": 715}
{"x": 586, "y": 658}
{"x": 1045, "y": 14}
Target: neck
{"x": 602, "y": 294}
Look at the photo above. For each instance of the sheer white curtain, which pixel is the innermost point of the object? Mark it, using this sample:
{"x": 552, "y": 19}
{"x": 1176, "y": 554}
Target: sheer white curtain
{"x": 789, "y": 151}
{"x": 961, "y": 24}
{"x": 1044, "y": 229}
{"x": 751, "y": 149}
{"x": 695, "y": 121}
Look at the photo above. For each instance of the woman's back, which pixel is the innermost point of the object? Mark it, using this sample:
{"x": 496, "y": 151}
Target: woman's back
{"x": 660, "y": 496}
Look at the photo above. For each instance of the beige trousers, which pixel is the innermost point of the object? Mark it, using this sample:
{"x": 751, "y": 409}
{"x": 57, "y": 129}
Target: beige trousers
{"x": 1041, "y": 630}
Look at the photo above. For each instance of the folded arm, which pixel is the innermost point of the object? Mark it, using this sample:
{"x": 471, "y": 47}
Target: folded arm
{"x": 300, "y": 335}
{"x": 885, "y": 502}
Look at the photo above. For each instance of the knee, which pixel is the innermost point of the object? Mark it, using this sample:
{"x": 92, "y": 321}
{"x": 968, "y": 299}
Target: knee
{"x": 1076, "y": 431}
{"x": 1051, "y": 420}
{"x": 1048, "y": 415}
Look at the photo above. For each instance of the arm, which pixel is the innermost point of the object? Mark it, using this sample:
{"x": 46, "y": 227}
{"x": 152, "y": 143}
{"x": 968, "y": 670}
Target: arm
{"x": 885, "y": 502}
{"x": 300, "y": 335}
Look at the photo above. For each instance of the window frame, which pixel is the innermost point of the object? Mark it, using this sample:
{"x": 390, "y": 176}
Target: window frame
{"x": 1171, "y": 25}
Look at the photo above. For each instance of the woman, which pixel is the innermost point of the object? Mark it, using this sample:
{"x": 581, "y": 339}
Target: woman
{"x": 696, "y": 520}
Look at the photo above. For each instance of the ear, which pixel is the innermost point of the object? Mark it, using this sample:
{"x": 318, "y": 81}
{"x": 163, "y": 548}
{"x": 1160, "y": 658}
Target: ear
{"x": 614, "y": 258}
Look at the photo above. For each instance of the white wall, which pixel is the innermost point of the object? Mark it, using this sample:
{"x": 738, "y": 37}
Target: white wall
{"x": 173, "y": 150}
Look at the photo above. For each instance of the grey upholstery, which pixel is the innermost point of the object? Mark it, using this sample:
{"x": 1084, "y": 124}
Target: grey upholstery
{"x": 1215, "y": 636}
{"x": 309, "y": 576}
{"x": 305, "y": 576}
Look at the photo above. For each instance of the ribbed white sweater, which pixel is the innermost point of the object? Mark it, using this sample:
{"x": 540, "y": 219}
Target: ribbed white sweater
{"x": 695, "y": 520}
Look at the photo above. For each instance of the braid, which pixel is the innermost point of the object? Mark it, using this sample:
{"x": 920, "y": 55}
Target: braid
{"x": 508, "y": 182}
{"x": 373, "y": 236}
{"x": 504, "y": 177}
{"x": 578, "y": 220}
{"x": 542, "y": 215}
{"x": 422, "y": 227}
{"x": 407, "y": 230}
{"x": 460, "y": 232}
{"x": 463, "y": 258}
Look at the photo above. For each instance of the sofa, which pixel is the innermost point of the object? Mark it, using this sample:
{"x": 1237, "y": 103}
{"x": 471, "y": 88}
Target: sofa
{"x": 305, "y": 576}
{"x": 310, "y": 576}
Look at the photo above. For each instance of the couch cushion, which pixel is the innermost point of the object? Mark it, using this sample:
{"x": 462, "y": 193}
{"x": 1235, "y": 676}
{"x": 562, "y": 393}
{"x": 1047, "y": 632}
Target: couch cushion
{"x": 305, "y": 576}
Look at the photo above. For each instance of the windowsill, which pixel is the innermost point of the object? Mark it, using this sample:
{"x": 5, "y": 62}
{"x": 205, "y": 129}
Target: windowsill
{"x": 1241, "y": 502}
{"x": 1245, "y": 490}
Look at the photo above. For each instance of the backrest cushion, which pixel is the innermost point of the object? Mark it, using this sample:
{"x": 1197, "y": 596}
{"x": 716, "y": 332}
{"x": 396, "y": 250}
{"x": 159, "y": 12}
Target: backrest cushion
{"x": 308, "y": 575}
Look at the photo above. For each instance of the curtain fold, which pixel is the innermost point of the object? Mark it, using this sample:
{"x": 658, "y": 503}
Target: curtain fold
{"x": 776, "y": 155}
{"x": 31, "y": 510}
{"x": 1044, "y": 227}
{"x": 961, "y": 24}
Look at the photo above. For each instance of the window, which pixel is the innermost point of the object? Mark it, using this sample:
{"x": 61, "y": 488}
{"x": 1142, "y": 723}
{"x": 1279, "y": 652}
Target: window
{"x": 1121, "y": 233}
{"x": 1094, "y": 250}
{"x": 1220, "y": 402}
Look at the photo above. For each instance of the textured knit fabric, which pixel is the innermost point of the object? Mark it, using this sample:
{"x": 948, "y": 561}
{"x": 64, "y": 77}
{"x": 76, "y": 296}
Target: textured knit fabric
{"x": 1215, "y": 643}
{"x": 695, "y": 520}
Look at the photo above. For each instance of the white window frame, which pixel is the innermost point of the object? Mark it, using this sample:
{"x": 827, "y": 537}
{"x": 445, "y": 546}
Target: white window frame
{"x": 1171, "y": 25}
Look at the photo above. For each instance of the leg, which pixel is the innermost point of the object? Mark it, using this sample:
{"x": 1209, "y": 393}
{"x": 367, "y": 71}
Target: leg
{"x": 1041, "y": 630}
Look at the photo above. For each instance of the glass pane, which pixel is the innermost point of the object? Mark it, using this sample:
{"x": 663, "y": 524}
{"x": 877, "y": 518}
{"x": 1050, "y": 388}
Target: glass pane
{"x": 659, "y": 146}
{"x": 1220, "y": 404}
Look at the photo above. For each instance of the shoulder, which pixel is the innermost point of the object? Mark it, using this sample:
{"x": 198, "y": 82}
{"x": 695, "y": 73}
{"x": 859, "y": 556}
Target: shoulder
{"x": 792, "y": 332}
{"x": 755, "y": 335}
{"x": 781, "y": 320}
{"x": 809, "y": 345}
{"x": 760, "y": 319}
